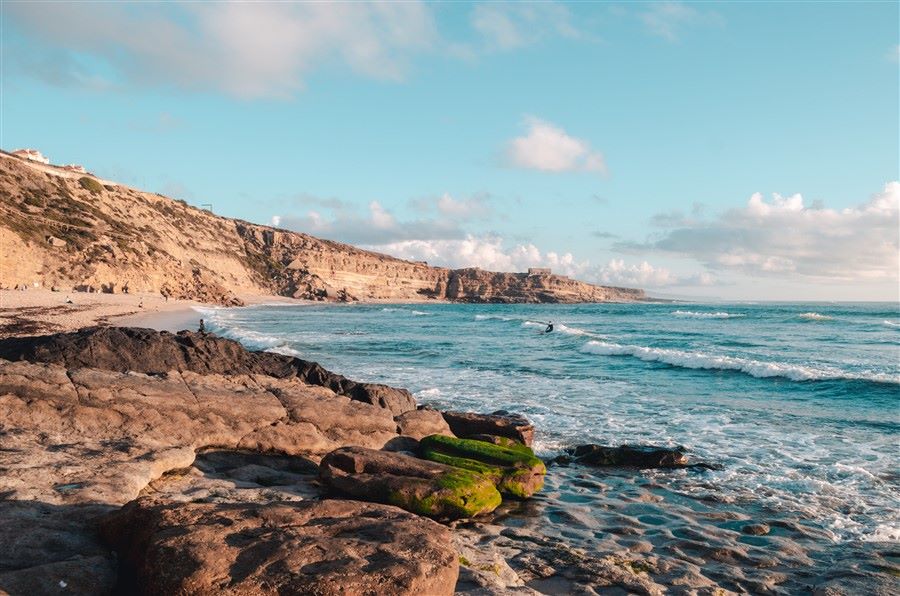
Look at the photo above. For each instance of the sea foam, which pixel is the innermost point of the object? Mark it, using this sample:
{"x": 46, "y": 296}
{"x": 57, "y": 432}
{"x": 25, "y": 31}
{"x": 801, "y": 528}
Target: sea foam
{"x": 493, "y": 317}
{"x": 689, "y": 314}
{"x": 814, "y": 316}
{"x": 415, "y": 313}
{"x": 754, "y": 368}
{"x": 561, "y": 328}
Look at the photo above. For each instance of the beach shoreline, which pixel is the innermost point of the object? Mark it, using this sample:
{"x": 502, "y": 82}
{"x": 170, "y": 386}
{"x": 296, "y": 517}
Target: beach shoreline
{"x": 39, "y": 311}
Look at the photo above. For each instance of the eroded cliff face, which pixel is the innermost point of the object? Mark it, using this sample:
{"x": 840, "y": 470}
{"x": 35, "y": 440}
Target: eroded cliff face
{"x": 72, "y": 232}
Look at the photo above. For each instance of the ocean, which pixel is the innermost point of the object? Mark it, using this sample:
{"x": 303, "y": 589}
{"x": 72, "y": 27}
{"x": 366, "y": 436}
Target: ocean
{"x": 799, "y": 405}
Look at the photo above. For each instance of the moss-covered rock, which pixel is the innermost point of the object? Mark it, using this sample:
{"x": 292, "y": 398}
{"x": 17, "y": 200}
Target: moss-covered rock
{"x": 424, "y": 487}
{"x": 503, "y": 442}
{"x": 514, "y": 469}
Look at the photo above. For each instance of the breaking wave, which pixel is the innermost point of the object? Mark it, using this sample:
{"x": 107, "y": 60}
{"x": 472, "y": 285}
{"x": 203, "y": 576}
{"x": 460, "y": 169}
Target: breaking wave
{"x": 891, "y": 323}
{"x": 561, "y": 328}
{"x": 754, "y": 368}
{"x": 493, "y": 317}
{"x": 415, "y": 313}
{"x": 814, "y": 316}
{"x": 689, "y": 314}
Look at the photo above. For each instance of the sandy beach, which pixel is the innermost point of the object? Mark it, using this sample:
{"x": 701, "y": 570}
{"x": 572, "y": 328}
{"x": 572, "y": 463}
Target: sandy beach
{"x": 37, "y": 311}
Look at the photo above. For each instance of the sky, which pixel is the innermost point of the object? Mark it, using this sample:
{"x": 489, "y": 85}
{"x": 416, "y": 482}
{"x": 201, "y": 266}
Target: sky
{"x": 742, "y": 150}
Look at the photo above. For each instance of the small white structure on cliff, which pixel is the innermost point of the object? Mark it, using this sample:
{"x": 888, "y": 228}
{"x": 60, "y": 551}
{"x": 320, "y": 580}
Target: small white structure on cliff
{"x": 32, "y": 154}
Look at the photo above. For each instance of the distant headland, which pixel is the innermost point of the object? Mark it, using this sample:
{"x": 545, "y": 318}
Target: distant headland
{"x": 65, "y": 229}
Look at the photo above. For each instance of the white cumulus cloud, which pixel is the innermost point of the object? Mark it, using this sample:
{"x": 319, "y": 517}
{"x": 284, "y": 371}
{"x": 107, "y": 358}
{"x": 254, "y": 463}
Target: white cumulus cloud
{"x": 439, "y": 218}
{"x": 617, "y": 272}
{"x": 491, "y": 253}
{"x": 549, "y": 148}
{"x": 785, "y": 237}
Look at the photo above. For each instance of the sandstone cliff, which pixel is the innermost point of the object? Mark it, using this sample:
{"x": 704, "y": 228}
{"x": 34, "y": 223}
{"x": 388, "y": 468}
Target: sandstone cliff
{"x": 74, "y": 232}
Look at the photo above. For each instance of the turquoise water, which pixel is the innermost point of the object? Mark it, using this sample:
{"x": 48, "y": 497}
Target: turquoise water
{"x": 800, "y": 403}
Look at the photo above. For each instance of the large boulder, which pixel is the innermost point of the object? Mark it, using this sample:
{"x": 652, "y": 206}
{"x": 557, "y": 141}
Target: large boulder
{"x": 421, "y": 423}
{"x": 637, "y": 456}
{"x": 500, "y": 423}
{"x": 133, "y": 349}
{"x": 323, "y": 547}
{"x": 420, "y": 486}
{"x": 514, "y": 469}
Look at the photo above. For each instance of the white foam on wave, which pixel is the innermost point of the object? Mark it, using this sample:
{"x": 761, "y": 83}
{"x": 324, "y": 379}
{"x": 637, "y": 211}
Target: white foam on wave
{"x": 882, "y": 533}
{"x": 493, "y": 317}
{"x": 209, "y": 309}
{"x": 416, "y": 313}
{"x": 561, "y": 328}
{"x": 572, "y": 330}
{"x": 890, "y": 323}
{"x": 814, "y": 316}
{"x": 754, "y": 368}
{"x": 250, "y": 338}
{"x": 689, "y": 314}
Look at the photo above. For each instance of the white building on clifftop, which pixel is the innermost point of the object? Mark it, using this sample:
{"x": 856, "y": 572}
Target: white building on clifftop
{"x": 32, "y": 154}
{"x": 538, "y": 271}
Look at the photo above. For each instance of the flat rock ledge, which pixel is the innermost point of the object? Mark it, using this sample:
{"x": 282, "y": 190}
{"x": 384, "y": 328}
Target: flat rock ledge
{"x": 79, "y": 443}
{"x": 326, "y": 548}
{"x": 135, "y": 349}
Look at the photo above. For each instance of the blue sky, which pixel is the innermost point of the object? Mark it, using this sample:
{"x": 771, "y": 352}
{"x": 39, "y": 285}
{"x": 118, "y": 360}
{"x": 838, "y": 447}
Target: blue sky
{"x": 662, "y": 145}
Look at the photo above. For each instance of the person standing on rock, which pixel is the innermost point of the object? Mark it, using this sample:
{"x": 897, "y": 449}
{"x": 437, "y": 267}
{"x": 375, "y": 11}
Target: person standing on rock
{"x": 202, "y": 328}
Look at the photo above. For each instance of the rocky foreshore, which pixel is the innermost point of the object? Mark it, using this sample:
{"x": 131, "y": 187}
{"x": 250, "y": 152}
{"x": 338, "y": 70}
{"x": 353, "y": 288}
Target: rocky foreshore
{"x": 184, "y": 463}
{"x": 138, "y": 461}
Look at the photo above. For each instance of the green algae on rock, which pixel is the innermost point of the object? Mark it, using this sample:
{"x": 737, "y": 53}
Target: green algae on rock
{"x": 416, "y": 485}
{"x": 514, "y": 469}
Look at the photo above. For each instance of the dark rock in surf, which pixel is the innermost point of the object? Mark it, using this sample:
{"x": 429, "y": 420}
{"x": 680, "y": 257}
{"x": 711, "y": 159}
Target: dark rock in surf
{"x": 133, "y": 349}
{"x": 636, "y": 456}
{"x": 503, "y": 424}
{"x": 756, "y": 529}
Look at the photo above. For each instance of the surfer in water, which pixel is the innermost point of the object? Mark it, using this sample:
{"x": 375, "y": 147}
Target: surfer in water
{"x": 549, "y": 327}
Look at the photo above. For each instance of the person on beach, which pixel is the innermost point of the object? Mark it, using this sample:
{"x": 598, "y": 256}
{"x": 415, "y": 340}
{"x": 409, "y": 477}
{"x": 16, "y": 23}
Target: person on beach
{"x": 202, "y": 327}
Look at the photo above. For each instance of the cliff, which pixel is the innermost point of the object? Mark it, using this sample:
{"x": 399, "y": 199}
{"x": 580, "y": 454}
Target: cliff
{"x": 63, "y": 229}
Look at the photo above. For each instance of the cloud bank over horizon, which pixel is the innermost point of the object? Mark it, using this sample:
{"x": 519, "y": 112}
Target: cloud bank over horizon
{"x": 779, "y": 238}
{"x": 786, "y": 238}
